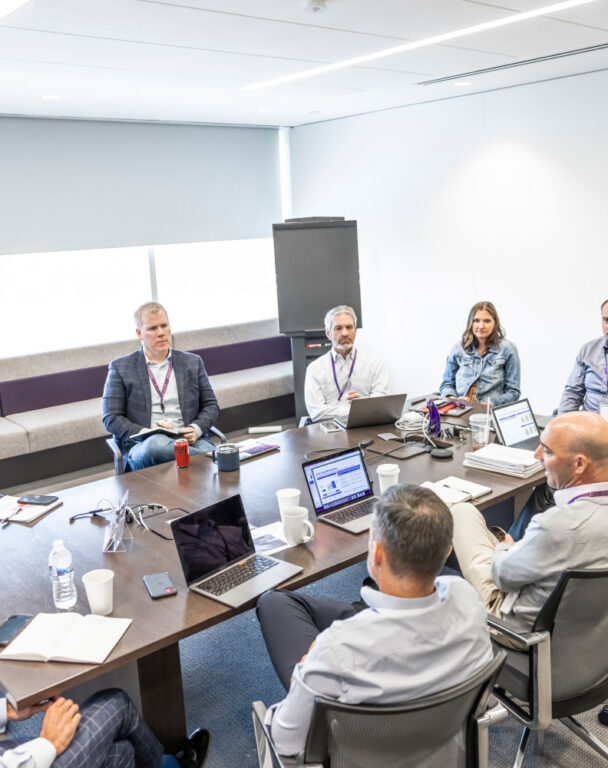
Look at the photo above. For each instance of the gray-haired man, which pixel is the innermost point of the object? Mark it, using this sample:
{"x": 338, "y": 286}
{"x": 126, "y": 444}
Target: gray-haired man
{"x": 419, "y": 635}
{"x": 334, "y": 380}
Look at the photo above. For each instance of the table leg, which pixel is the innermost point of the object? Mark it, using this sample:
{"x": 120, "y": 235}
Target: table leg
{"x": 162, "y": 696}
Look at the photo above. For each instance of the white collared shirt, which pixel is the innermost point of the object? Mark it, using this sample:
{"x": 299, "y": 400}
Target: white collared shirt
{"x": 369, "y": 378}
{"x": 173, "y": 412}
{"x": 397, "y": 650}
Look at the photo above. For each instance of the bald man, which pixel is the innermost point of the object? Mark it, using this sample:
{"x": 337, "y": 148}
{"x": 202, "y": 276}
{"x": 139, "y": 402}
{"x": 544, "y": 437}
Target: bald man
{"x": 514, "y": 579}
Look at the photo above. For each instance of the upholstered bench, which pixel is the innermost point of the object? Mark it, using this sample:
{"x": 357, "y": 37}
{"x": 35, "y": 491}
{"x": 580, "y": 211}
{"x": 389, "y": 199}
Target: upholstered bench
{"x": 50, "y": 403}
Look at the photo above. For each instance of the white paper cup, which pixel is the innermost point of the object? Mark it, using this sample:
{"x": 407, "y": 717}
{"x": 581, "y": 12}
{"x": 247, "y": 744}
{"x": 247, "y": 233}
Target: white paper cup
{"x": 297, "y": 528}
{"x": 99, "y": 586}
{"x": 480, "y": 430}
{"x": 288, "y": 497}
{"x": 388, "y": 475}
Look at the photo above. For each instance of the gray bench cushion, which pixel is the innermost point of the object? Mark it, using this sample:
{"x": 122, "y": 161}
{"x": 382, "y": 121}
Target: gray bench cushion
{"x": 13, "y": 440}
{"x": 263, "y": 383}
{"x": 61, "y": 424}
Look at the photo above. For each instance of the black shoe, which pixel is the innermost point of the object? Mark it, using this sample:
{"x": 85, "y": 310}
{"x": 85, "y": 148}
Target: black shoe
{"x": 602, "y": 715}
{"x": 193, "y": 752}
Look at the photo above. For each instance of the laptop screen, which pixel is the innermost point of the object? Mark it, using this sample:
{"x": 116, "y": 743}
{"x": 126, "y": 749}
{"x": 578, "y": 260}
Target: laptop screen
{"x": 212, "y": 538}
{"x": 515, "y": 422}
{"x": 337, "y": 479}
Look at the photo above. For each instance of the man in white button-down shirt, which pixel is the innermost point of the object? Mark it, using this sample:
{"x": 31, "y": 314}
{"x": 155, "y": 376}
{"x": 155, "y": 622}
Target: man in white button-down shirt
{"x": 420, "y": 633}
{"x": 334, "y": 380}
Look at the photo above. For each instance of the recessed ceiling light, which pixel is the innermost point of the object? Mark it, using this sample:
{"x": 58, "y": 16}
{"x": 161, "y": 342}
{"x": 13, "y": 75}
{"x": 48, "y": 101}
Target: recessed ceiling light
{"x": 435, "y": 40}
{"x": 462, "y": 84}
{"x": 8, "y": 6}
{"x": 50, "y": 96}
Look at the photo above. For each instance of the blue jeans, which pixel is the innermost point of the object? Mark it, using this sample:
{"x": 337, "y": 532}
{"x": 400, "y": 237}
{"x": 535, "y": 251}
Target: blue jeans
{"x": 541, "y": 499}
{"x": 158, "y": 449}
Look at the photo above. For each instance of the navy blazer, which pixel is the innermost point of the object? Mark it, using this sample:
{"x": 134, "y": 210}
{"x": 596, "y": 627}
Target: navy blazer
{"x": 127, "y": 400}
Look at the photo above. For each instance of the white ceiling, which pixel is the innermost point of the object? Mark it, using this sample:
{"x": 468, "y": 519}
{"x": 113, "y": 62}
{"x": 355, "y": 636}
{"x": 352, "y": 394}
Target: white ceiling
{"x": 188, "y": 60}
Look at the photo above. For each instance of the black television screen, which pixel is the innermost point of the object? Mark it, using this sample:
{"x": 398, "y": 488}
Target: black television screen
{"x": 317, "y": 268}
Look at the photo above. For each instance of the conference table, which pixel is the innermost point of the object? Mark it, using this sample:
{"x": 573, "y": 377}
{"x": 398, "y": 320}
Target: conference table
{"x": 152, "y": 639}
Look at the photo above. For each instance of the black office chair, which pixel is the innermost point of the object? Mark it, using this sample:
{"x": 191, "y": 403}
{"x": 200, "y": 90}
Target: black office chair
{"x": 117, "y": 453}
{"x": 449, "y": 728}
{"x": 562, "y": 667}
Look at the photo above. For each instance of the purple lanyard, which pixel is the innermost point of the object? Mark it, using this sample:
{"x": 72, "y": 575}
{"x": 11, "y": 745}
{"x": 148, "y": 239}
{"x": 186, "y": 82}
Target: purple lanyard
{"x": 606, "y": 367}
{"x": 161, "y": 393}
{"x": 589, "y": 494}
{"x": 350, "y": 373}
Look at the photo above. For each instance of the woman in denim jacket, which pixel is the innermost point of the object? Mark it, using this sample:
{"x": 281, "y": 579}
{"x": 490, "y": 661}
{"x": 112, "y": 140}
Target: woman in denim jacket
{"x": 484, "y": 365}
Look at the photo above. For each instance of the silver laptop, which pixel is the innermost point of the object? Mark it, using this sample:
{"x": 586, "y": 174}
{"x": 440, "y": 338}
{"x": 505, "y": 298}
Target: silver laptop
{"x": 369, "y": 411}
{"x": 218, "y": 555}
{"x": 340, "y": 490}
{"x": 516, "y": 426}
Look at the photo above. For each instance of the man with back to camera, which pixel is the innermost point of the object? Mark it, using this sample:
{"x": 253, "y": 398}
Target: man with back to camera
{"x": 157, "y": 386}
{"x": 586, "y": 384}
{"x": 337, "y": 378}
{"x": 422, "y": 633}
{"x": 106, "y": 731}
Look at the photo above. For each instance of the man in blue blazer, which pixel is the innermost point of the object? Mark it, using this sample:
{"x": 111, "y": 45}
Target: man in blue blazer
{"x": 157, "y": 386}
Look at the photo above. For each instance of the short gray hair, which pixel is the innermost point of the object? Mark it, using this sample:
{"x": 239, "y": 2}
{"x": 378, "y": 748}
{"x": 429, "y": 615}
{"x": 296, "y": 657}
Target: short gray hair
{"x": 415, "y": 528}
{"x": 329, "y": 317}
{"x": 149, "y": 306}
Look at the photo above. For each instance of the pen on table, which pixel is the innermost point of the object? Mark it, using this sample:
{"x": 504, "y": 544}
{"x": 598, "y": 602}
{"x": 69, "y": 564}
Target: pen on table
{"x": 6, "y": 520}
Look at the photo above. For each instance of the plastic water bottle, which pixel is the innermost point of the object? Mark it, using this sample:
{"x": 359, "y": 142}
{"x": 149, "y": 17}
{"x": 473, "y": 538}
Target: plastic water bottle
{"x": 62, "y": 576}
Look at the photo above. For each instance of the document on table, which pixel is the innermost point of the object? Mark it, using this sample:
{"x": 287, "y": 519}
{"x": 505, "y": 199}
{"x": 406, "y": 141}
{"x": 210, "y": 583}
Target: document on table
{"x": 269, "y": 538}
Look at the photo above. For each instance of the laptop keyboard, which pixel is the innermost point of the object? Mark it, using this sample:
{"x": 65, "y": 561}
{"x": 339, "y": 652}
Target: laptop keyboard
{"x": 531, "y": 444}
{"x": 239, "y": 574}
{"x": 353, "y": 512}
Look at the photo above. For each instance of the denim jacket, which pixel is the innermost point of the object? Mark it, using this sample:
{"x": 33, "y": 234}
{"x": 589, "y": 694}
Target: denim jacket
{"x": 497, "y": 373}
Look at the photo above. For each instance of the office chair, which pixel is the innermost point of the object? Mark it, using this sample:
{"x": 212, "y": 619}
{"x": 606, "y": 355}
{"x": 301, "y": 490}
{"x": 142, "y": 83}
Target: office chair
{"x": 562, "y": 667}
{"x": 449, "y": 728}
{"x": 117, "y": 453}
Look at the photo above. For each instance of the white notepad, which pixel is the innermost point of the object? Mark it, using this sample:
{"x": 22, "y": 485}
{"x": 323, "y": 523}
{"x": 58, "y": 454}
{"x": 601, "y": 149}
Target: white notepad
{"x": 67, "y": 637}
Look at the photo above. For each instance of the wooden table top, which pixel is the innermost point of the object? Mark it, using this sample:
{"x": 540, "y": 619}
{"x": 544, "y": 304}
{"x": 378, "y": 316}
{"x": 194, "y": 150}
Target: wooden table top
{"x": 158, "y": 623}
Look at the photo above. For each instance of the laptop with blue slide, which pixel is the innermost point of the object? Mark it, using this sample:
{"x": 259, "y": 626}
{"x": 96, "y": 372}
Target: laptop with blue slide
{"x": 516, "y": 425}
{"x": 340, "y": 490}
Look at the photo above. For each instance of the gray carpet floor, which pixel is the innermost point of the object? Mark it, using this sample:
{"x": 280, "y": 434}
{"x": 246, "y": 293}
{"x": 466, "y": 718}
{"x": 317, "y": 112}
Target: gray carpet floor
{"x": 226, "y": 667}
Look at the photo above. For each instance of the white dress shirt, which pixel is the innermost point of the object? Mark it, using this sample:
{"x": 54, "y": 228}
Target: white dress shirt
{"x": 369, "y": 378}
{"x": 397, "y": 650}
{"x": 572, "y": 534}
{"x": 173, "y": 411}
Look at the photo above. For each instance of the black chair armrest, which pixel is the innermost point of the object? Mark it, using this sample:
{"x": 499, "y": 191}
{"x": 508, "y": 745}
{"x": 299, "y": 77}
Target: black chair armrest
{"x": 525, "y": 639}
{"x": 215, "y": 431}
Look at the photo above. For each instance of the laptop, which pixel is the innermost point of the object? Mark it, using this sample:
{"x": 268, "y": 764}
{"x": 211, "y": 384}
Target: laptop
{"x": 341, "y": 491}
{"x": 516, "y": 426}
{"x": 369, "y": 411}
{"x": 218, "y": 555}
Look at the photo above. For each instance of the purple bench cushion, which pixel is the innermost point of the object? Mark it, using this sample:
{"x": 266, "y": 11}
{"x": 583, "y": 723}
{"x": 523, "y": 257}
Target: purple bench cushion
{"x": 52, "y": 389}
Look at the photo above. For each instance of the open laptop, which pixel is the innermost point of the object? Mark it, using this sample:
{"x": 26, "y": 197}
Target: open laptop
{"x": 369, "y": 411}
{"x": 218, "y": 555}
{"x": 516, "y": 426}
{"x": 340, "y": 490}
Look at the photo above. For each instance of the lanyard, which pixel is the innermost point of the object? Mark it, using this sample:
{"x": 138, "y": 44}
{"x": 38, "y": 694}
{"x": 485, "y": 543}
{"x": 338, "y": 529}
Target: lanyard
{"x": 350, "y": 373}
{"x": 161, "y": 393}
{"x": 588, "y": 494}
{"x": 606, "y": 367}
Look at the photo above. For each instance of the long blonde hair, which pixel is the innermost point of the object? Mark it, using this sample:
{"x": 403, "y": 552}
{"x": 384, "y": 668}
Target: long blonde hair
{"x": 468, "y": 339}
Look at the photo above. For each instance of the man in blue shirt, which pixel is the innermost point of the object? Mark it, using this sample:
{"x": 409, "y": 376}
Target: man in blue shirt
{"x": 589, "y": 378}
{"x": 420, "y": 634}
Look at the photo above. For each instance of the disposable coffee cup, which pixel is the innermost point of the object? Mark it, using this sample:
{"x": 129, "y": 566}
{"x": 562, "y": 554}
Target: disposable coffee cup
{"x": 480, "y": 430}
{"x": 388, "y": 475}
{"x": 99, "y": 586}
{"x": 297, "y": 528}
{"x": 288, "y": 497}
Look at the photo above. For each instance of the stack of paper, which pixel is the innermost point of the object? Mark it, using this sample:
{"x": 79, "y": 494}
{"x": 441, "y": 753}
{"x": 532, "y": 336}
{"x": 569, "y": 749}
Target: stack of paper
{"x": 506, "y": 461}
{"x": 13, "y": 512}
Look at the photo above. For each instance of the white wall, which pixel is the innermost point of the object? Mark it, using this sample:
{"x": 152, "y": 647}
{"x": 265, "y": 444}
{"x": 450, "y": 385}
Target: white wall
{"x": 500, "y": 196}
{"x": 80, "y": 184}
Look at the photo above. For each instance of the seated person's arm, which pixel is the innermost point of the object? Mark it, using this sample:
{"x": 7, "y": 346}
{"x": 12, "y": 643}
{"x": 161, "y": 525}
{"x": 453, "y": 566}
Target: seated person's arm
{"x": 448, "y": 385}
{"x": 512, "y": 386}
{"x": 317, "y": 406}
{"x": 573, "y": 395}
{"x": 317, "y": 675}
{"x": 379, "y": 384}
{"x": 114, "y": 405}
{"x": 58, "y": 729}
{"x": 540, "y": 553}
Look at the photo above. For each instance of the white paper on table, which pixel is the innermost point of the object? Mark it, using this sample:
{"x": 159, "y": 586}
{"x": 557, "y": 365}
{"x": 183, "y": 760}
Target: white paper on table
{"x": 269, "y": 538}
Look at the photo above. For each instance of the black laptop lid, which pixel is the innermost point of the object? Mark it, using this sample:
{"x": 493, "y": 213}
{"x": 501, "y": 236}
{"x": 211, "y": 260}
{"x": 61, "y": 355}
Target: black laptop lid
{"x": 212, "y": 538}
